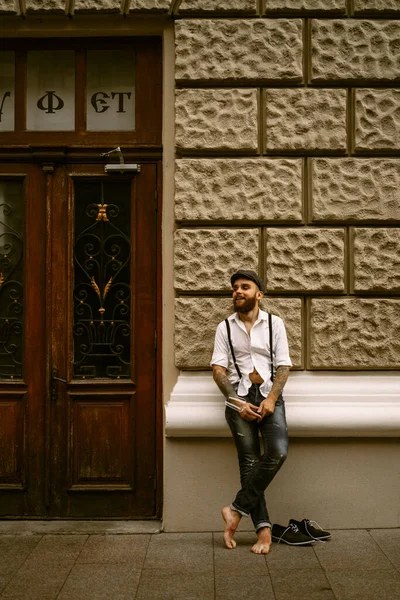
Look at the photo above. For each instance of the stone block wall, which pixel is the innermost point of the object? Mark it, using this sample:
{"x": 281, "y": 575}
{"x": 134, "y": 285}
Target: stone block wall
{"x": 288, "y": 162}
{"x": 69, "y": 8}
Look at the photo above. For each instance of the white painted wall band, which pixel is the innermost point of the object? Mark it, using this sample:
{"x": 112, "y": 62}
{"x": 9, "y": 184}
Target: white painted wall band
{"x": 318, "y": 404}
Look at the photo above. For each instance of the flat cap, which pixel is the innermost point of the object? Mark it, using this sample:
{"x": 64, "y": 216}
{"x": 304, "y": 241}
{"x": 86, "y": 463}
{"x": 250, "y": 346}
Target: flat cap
{"x": 245, "y": 274}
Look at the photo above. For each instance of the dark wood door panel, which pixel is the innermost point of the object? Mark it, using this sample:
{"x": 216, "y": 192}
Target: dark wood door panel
{"x": 101, "y": 442}
{"x": 12, "y": 440}
{"x": 23, "y": 385}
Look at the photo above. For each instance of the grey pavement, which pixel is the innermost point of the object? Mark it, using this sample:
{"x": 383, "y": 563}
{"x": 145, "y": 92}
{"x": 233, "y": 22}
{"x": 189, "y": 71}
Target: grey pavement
{"x": 120, "y": 561}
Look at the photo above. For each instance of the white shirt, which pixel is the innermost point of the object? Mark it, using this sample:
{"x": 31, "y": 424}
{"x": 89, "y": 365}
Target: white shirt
{"x": 251, "y": 350}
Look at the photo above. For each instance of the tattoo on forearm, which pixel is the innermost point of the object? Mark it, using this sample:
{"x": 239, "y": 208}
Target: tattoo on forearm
{"x": 224, "y": 384}
{"x": 281, "y": 376}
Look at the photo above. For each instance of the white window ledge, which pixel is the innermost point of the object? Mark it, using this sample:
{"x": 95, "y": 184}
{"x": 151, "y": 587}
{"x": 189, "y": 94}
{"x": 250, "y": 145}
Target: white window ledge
{"x": 318, "y": 404}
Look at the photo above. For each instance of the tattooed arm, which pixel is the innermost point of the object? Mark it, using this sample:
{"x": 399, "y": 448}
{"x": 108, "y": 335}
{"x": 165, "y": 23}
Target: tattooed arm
{"x": 222, "y": 381}
{"x": 249, "y": 411}
{"x": 281, "y": 376}
{"x": 267, "y": 406}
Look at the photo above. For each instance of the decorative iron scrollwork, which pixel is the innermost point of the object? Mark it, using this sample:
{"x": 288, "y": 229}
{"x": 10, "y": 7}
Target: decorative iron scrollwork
{"x": 102, "y": 281}
{"x": 11, "y": 282}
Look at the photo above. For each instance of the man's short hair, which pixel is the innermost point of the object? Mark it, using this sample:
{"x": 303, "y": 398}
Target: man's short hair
{"x": 247, "y": 274}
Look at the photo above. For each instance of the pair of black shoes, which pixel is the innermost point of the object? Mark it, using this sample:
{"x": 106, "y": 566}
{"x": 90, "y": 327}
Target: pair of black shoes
{"x": 299, "y": 533}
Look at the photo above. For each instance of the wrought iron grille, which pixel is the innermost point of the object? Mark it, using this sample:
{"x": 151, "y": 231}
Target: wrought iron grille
{"x": 102, "y": 322}
{"x": 11, "y": 278}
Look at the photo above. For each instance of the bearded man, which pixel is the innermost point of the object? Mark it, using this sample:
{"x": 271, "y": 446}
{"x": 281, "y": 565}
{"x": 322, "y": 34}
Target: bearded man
{"x": 251, "y": 365}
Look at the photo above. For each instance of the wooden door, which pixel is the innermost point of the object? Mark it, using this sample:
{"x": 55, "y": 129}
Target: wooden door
{"x": 80, "y": 426}
{"x": 22, "y": 340}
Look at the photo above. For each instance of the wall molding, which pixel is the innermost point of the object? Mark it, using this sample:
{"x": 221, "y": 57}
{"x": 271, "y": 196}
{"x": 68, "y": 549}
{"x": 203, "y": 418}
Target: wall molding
{"x": 318, "y": 404}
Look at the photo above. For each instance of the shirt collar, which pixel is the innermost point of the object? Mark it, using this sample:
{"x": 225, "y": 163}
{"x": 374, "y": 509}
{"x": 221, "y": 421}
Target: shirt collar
{"x": 262, "y": 316}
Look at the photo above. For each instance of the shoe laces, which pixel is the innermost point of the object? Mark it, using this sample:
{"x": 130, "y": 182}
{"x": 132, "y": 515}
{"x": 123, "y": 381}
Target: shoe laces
{"x": 313, "y": 523}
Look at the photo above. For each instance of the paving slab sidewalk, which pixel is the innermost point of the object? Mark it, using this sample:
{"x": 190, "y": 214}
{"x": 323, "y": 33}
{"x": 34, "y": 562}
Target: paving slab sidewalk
{"x": 79, "y": 561}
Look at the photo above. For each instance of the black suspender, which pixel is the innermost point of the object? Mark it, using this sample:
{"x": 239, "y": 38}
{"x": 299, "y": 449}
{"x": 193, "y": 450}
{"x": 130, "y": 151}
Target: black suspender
{"x": 270, "y": 345}
{"x": 228, "y": 330}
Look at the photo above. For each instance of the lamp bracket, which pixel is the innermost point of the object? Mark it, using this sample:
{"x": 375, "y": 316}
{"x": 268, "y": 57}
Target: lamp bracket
{"x": 122, "y": 166}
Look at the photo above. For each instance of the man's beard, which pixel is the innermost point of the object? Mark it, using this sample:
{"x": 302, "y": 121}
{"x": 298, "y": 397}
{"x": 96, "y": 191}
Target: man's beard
{"x": 246, "y": 306}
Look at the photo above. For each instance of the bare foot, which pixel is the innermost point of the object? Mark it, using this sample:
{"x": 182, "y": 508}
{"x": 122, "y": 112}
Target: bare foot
{"x": 263, "y": 543}
{"x": 231, "y": 518}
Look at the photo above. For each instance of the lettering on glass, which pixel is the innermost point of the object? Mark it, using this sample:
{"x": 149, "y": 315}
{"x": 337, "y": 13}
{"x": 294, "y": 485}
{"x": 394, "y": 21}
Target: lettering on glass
{"x": 50, "y": 102}
{"x": 7, "y": 91}
{"x": 51, "y": 90}
{"x": 5, "y": 95}
{"x": 110, "y": 90}
{"x": 100, "y": 105}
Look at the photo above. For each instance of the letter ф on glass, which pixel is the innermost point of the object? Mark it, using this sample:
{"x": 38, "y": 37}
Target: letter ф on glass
{"x": 102, "y": 292}
{"x": 7, "y": 91}
{"x": 110, "y": 102}
{"x": 11, "y": 278}
{"x": 50, "y": 90}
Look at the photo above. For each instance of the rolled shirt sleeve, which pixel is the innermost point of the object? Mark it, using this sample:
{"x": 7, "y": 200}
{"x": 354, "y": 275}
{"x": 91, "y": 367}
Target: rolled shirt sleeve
{"x": 221, "y": 349}
{"x": 280, "y": 343}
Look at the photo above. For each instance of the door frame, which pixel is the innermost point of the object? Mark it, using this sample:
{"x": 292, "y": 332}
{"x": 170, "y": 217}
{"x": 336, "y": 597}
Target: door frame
{"x": 145, "y": 144}
{"x": 48, "y": 159}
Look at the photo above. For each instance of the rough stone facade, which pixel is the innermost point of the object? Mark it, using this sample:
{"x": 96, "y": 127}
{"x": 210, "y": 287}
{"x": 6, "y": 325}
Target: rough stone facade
{"x": 52, "y": 6}
{"x": 197, "y": 318}
{"x": 305, "y": 6}
{"x": 307, "y": 260}
{"x": 236, "y": 189}
{"x": 69, "y": 8}
{"x": 357, "y": 50}
{"x": 149, "y": 5}
{"x": 349, "y": 189}
{"x": 217, "y": 120}
{"x": 288, "y": 161}
{"x": 354, "y": 333}
{"x": 93, "y": 6}
{"x": 377, "y": 119}
{"x": 220, "y": 6}
{"x": 379, "y": 6}
{"x": 305, "y": 119}
{"x": 198, "y": 8}
{"x": 9, "y": 7}
{"x": 204, "y": 258}
{"x": 247, "y": 49}
{"x": 377, "y": 260}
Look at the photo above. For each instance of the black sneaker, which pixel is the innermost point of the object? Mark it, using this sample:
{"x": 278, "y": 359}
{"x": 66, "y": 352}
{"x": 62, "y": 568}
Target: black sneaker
{"x": 290, "y": 535}
{"x": 306, "y": 526}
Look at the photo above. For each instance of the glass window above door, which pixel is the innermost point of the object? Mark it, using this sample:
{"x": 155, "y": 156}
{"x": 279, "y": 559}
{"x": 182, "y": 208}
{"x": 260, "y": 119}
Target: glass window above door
{"x": 81, "y": 92}
{"x": 107, "y": 91}
{"x": 110, "y": 99}
{"x": 110, "y": 90}
{"x": 51, "y": 90}
{"x": 7, "y": 86}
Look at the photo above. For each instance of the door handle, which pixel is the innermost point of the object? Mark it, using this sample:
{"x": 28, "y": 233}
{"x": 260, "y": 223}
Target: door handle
{"x": 53, "y": 384}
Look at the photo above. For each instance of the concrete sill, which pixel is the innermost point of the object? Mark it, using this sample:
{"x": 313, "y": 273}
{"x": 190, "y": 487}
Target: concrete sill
{"x": 318, "y": 404}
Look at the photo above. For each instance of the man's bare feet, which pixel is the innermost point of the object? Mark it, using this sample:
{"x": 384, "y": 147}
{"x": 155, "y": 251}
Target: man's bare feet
{"x": 231, "y": 518}
{"x": 263, "y": 543}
